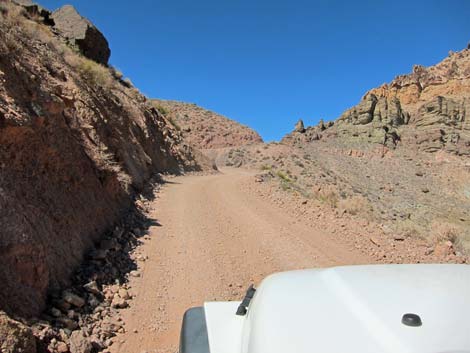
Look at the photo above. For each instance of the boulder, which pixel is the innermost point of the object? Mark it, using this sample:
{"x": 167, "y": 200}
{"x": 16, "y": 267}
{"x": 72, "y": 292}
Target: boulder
{"x": 15, "y": 337}
{"x": 62, "y": 347}
{"x": 73, "y": 299}
{"x": 82, "y": 33}
{"x": 444, "y": 249}
{"x": 92, "y": 287}
{"x": 299, "y": 127}
{"x": 79, "y": 343}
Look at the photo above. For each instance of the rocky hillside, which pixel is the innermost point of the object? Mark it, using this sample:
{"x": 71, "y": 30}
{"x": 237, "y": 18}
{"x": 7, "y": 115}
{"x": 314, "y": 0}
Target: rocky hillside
{"x": 399, "y": 158}
{"x": 77, "y": 142}
{"x": 205, "y": 129}
{"x": 427, "y": 109}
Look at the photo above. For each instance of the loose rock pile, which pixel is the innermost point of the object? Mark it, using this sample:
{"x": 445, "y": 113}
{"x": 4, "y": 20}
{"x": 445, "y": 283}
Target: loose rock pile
{"x": 84, "y": 318}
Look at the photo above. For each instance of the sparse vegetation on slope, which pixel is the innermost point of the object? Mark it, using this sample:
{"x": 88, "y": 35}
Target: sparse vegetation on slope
{"x": 205, "y": 129}
{"x": 76, "y": 146}
{"x": 398, "y": 157}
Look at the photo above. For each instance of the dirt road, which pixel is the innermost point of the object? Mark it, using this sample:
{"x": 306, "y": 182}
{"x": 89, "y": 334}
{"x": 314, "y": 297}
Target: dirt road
{"x": 214, "y": 239}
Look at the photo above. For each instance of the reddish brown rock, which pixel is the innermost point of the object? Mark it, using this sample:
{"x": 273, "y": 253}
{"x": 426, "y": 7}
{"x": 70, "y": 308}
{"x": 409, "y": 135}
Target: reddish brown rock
{"x": 444, "y": 249}
{"x": 205, "y": 129}
{"x": 75, "y": 146}
{"x": 15, "y": 337}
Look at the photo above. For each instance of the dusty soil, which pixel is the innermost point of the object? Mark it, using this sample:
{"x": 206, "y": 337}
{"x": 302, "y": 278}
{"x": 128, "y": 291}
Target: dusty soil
{"x": 217, "y": 234}
{"x": 214, "y": 239}
{"x": 408, "y": 192}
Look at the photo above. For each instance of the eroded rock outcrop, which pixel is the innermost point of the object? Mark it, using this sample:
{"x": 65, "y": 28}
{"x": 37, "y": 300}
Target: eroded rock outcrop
{"x": 81, "y": 33}
{"x": 379, "y": 111}
{"x": 299, "y": 127}
{"x": 302, "y": 135}
{"x": 426, "y": 109}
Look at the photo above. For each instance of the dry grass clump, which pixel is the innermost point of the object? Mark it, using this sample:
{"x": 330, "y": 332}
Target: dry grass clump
{"x": 161, "y": 109}
{"x": 409, "y": 228}
{"x": 458, "y": 235}
{"x": 118, "y": 75}
{"x": 166, "y": 113}
{"x": 437, "y": 232}
{"x": 13, "y": 17}
{"x": 94, "y": 73}
{"x": 21, "y": 27}
{"x": 326, "y": 194}
{"x": 174, "y": 123}
{"x": 266, "y": 167}
{"x": 356, "y": 205}
{"x": 11, "y": 13}
{"x": 444, "y": 231}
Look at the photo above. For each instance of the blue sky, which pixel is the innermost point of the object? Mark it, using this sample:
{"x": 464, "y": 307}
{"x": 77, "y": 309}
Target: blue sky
{"x": 269, "y": 63}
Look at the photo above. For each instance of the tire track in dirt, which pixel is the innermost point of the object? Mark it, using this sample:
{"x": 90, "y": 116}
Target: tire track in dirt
{"x": 214, "y": 239}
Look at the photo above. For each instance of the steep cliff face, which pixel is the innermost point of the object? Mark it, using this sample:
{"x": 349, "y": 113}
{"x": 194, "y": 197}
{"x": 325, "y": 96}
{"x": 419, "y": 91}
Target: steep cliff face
{"x": 426, "y": 109}
{"x": 76, "y": 143}
{"x": 205, "y": 129}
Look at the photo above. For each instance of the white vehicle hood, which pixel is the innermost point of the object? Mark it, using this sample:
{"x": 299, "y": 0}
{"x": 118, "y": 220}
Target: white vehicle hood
{"x": 354, "y": 309}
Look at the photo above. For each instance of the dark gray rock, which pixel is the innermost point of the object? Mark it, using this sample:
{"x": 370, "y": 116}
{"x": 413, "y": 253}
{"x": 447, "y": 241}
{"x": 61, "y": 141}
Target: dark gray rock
{"x": 82, "y": 33}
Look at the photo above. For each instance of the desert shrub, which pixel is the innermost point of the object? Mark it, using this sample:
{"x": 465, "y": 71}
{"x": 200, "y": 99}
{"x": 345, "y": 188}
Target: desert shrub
{"x": 410, "y": 228}
{"x": 162, "y": 110}
{"x": 174, "y": 123}
{"x": 13, "y": 14}
{"x": 118, "y": 75}
{"x": 355, "y": 205}
{"x": 444, "y": 231}
{"x": 41, "y": 33}
{"x": 94, "y": 73}
{"x": 283, "y": 176}
{"x": 266, "y": 167}
{"x": 327, "y": 194}
{"x": 11, "y": 43}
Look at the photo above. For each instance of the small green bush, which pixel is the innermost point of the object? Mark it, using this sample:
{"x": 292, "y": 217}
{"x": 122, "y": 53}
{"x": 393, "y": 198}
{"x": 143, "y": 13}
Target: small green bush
{"x": 283, "y": 176}
{"x": 162, "y": 110}
{"x": 174, "y": 123}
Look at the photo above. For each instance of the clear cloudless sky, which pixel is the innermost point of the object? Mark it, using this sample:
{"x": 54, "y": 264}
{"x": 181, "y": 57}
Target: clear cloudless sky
{"x": 267, "y": 63}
